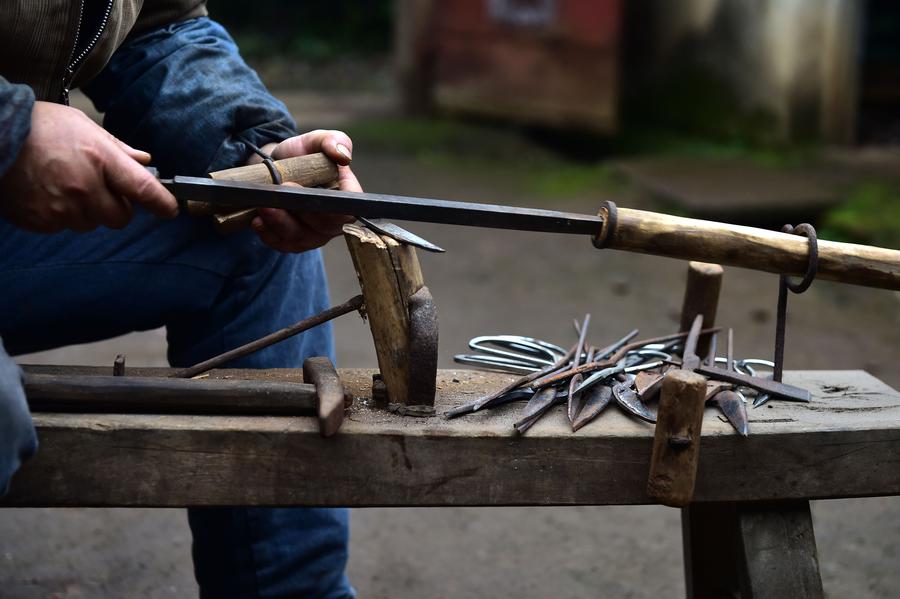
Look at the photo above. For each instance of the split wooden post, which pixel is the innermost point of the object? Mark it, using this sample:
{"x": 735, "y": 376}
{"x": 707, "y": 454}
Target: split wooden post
{"x": 389, "y": 275}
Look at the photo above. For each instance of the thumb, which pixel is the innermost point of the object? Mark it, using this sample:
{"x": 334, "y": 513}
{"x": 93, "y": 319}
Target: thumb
{"x": 126, "y": 177}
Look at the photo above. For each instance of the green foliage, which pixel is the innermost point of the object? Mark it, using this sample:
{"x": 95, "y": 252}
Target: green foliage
{"x": 871, "y": 215}
{"x": 311, "y": 31}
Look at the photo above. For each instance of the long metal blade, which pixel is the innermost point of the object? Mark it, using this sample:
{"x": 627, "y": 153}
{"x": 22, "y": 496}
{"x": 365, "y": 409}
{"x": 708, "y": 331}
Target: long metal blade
{"x": 237, "y": 194}
{"x": 379, "y": 225}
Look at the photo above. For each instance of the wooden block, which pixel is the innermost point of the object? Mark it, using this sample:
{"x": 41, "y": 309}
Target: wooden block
{"x": 389, "y": 274}
{"x": 676, "y": 443}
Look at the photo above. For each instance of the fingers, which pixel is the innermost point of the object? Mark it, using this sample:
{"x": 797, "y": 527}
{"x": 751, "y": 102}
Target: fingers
{"x": 126, "y": 178}
{"x": 109, "y": 210}
{"x": 286, "y": 233}
{"x": 337, "y": 145}
{"x": 139, "y": 155}
{"x": 347, "y": 181}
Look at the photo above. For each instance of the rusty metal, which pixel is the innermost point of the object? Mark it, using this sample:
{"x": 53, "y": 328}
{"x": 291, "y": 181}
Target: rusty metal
{"x": 119, "y": 365}
{"x": 572, "y": 406}
{"x": 555, "y": 378}
{"x": 595, "y": 401}
{"x": 629, "y": 401}
{"x": 537, "y": 406}
{"x": 423, "y": 348}
{"x": 354, "y": 303}
{"x": 731, "y": 402}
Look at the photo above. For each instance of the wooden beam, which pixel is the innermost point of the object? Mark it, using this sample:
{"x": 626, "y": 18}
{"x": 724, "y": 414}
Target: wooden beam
{"x": 846, "y": 443}
{"x": 778, "y": 551}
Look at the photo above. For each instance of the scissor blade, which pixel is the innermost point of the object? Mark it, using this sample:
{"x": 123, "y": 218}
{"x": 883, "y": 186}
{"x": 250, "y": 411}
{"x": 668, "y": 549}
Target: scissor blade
{"x": 237, "y": 194}
{"x": 379, "y": 225}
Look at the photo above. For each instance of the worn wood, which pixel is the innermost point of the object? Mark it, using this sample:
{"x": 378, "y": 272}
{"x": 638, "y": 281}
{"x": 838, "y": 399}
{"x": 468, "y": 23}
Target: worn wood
{"x": 778, "y": 556}
{"x": 311, "y": 170}
{"x": 389, "y": 273}
{"x": 845, "y": 443}
{"x": 155, "y": 395}
{"x": 734, "y": 245}
{"x": 332, "y": 397}
{"x": 701, "y": 296}
{"x": 676, "y": 442}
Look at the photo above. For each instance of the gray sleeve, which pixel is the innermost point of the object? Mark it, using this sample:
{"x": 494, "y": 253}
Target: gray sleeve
{"x": 16, "y": 102}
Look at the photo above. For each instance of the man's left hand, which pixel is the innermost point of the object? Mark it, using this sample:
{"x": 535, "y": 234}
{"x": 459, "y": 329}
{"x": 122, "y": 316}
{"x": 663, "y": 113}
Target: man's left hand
{"x": 301, "y": 231}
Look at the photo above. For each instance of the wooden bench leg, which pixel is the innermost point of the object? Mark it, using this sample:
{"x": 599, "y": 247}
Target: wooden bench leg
{"x": 750, "y": 550}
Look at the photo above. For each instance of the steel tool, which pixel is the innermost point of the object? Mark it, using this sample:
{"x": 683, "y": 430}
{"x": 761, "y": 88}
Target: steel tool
{"x": 617, "y": 228}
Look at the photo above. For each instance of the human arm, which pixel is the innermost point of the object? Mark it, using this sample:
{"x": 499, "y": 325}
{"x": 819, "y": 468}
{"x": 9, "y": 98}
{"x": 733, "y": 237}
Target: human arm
{"x": 184, "y": 93}
{"x": 59, "y": 170}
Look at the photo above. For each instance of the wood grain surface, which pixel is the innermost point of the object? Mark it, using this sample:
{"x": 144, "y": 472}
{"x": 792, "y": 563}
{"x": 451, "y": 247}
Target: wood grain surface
{"x": 845, "y": 443}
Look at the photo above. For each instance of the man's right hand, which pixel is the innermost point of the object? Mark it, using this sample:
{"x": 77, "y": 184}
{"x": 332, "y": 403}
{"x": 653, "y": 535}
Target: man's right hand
{"x": 72, "y": 174}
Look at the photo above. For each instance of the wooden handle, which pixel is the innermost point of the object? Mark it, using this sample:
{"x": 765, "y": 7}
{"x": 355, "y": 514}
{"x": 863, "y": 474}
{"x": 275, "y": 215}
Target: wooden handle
{"x": 748, "y": 247}
{"x": 312, "y": 170}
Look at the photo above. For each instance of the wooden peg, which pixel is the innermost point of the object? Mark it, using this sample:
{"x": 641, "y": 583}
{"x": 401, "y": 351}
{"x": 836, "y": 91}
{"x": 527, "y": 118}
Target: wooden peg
{"x": 676, "y": 444}
{"x": 701, "y": 296}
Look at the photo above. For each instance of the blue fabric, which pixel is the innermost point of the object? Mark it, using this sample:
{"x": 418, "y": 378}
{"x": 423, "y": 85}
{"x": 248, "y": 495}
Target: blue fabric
{"x": 16, "y": 102}
{"x": 184, "y": 94}
{"x": 18, "y": 441}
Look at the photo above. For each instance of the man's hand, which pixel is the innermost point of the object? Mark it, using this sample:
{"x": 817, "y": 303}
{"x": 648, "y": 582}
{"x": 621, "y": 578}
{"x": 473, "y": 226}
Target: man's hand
{"x": 72, "y": 174}
{"x": 301, "y": 231}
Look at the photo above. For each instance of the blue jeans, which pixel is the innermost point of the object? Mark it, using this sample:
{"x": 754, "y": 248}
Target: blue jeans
{"x": 212, "y": 293}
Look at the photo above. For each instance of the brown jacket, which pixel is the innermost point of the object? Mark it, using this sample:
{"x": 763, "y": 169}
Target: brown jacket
{"x": 57, "y": 45}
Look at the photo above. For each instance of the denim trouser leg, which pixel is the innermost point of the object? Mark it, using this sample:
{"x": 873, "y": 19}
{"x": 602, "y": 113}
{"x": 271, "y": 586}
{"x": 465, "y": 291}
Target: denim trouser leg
{"x": 18, "y": 441}
{"x": 212, "y": 294}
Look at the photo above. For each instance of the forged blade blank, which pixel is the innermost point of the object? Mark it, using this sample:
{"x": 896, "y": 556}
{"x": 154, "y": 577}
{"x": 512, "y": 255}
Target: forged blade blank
{"x": 732, "y": 405}
{"x": 379, "y": 225}
{"x": 628, "y": 399}
{"x": 537, "y": 406}
{"x": 595, "y": 400}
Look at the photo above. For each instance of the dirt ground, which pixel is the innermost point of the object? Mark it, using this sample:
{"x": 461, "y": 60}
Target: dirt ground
{"x": 500, "y": 282}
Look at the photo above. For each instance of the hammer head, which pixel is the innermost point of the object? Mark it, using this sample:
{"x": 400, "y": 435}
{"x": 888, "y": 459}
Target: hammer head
{"x": 333, "y": 399}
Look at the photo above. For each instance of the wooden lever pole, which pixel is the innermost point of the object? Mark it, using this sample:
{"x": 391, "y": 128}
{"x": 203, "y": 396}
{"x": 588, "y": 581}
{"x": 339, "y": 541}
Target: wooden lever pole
{"x": 748, "y": 247}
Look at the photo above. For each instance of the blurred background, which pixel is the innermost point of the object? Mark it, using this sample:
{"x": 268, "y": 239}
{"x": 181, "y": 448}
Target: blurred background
{"x": 759, "y": 112}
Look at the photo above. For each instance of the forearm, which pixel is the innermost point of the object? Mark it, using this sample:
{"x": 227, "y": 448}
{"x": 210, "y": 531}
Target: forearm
{"x": 184, "y": 94}
{"x": 16, "y": 103}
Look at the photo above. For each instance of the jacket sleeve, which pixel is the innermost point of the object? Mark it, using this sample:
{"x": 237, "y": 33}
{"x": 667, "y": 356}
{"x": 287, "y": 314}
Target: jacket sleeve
{"x": 184, "y": 94}
{"x": 16, "y": 102}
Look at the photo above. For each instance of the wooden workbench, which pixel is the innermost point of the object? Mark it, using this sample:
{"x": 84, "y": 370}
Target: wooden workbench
{"x": 846, "y": 443}
{"x": 749, "y": 532}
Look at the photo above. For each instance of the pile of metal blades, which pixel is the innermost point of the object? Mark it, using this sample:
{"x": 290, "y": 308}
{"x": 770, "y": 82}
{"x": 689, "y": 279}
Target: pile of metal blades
{"x": 628, "y": 373}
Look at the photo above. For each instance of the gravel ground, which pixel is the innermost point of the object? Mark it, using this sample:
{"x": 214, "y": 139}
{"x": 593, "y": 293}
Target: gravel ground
{"x": 496, "y": 282}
